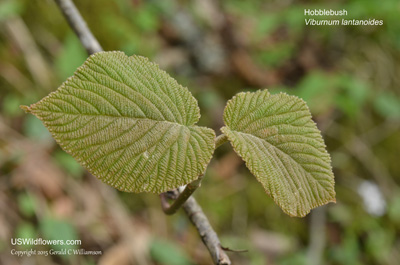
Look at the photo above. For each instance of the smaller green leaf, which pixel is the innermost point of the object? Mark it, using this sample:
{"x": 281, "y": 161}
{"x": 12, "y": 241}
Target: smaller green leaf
{"x": 282, "y": 147}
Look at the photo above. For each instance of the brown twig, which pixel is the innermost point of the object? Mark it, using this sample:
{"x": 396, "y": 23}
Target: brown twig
{"x": 190, "y": 206}
{"x": 206, "y": 232}
{"x": 200, "y": 221}
{"x": 77, "y": 23}
{"x": 182, "y": 198}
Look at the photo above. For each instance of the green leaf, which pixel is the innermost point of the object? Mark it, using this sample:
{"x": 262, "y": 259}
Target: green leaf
{"x": 282, "y": 147}
{"x": 54, "y": 229}
{"x": 27, "y": 204}
{"x": 168, "y": 253}
{"x": 388, "y": 105}
{"x": 9, "y": 9}
{"x": 129, "y": 123}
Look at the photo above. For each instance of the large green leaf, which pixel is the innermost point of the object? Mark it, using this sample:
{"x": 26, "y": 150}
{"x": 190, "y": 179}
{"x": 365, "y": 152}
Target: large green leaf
{"x": 129, "y": 123}
{"x": 282, "y": 147}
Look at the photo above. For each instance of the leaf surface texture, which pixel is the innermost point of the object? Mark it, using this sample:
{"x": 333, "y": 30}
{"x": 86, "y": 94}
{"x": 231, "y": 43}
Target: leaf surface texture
{"x": 129, "y": 123}
{"x": 282, "y": 147}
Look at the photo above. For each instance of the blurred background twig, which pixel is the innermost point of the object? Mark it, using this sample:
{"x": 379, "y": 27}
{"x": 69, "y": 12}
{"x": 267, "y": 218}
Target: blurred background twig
{"x": 78, "y": 24}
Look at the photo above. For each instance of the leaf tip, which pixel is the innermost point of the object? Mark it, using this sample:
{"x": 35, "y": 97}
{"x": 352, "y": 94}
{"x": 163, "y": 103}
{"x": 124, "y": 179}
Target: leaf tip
{"x": 27, "y": 109}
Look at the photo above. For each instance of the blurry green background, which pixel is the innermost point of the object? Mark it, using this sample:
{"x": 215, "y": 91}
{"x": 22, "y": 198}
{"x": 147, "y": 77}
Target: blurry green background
{"x": 348, "y": 75}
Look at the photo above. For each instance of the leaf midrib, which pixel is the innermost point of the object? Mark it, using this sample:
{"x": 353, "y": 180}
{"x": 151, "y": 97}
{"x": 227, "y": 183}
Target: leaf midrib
{"x": 115, "y": 116}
